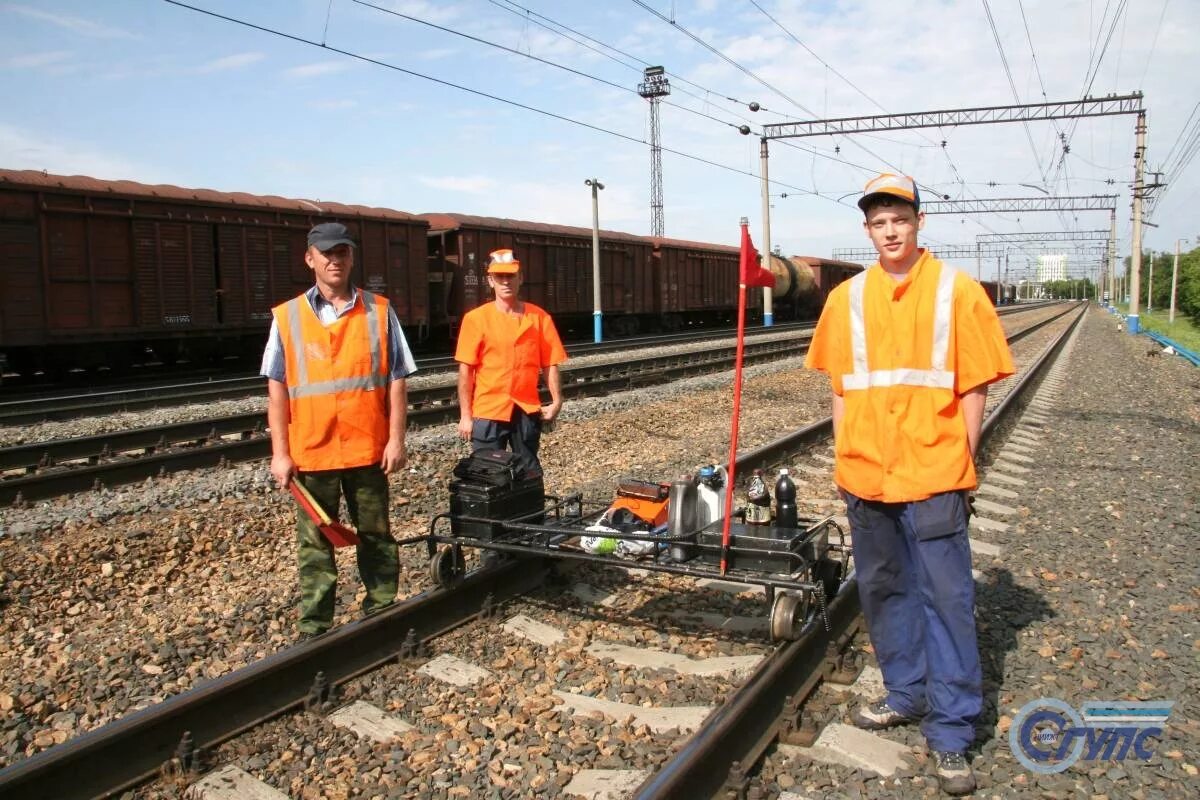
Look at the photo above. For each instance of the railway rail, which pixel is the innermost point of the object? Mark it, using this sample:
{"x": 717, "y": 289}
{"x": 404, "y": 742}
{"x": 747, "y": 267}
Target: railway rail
{"x": 128, "y": 456}
{"x": 56, "y": 406}
{"x": 169, "y": 738}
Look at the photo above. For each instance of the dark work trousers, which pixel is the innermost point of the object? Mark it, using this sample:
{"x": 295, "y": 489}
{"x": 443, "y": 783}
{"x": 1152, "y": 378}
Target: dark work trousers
{"x": 366, "y": 492}
{"x": 913, "y": 563}
{"x": 522, "y": 433}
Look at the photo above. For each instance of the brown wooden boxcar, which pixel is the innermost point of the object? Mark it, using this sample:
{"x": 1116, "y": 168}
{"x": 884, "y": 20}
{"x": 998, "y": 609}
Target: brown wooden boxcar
{"x": 556, "y": 266}
{"x": 101, "y": 272}
{"x": 698, "y": 284}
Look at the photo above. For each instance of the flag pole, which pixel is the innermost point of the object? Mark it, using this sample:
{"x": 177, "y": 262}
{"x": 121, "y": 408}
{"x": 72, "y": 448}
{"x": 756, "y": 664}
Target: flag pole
{"x": 733, "y": 435}
{"x": 737, "y": 397}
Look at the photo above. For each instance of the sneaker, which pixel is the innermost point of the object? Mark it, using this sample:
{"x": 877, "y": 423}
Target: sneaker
{"x": 954, "y": 773}
{"x": 879, "y": 716}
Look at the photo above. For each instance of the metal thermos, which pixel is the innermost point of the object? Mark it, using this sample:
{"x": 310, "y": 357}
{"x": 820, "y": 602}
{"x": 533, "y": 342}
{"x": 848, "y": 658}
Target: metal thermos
{"x": 785, "y": 501}
{"x": 758, "y": 501}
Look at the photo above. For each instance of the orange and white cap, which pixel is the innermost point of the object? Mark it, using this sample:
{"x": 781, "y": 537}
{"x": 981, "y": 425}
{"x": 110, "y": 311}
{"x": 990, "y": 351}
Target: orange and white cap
{"x": 901, "y": 186}
{"x": 502, "y": 263}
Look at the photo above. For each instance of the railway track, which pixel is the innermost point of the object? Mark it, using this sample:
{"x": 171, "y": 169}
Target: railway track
{"x": 52, "y": 406}
{"x": 48, "y": 469}
{"x": 717, "y": 758}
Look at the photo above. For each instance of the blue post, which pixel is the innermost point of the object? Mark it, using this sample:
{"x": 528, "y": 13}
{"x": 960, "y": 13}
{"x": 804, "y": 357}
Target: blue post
{"x": 596, "y": 327}
{"x": 1132, "y": 324}
{"x": 768, "y": 319}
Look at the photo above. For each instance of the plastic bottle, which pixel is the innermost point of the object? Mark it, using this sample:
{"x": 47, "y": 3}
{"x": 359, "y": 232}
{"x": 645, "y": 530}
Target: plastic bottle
{"x": 758, "y": 501}
{"x": 710, "y": 488}
{"x": 785, "y": 501}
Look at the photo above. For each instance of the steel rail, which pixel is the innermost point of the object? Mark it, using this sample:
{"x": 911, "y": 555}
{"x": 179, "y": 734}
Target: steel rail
{"x": 133, "y": 749}
{"x": 60, "y": 406}
{"x": 429, "y": 406}
{"x": 733, "y": 738}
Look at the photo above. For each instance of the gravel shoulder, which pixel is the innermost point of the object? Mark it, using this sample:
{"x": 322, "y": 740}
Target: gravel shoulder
{"x": 1094, "y": 594}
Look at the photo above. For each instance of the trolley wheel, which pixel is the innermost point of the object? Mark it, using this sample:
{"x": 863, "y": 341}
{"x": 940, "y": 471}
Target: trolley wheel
{"x": 788, "y": 614}
{"x": 447, "y": 566}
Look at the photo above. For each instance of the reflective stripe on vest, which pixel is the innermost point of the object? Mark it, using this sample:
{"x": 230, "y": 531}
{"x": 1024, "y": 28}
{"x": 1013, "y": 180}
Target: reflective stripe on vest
{"x": 937, "y": 377}
{"x": 302, "y": 388}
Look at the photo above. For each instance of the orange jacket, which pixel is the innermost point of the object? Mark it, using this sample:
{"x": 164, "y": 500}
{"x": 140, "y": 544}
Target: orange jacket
{"x": 901, "y": 354}
{"x": 508, "y": 352}
{"x": 337, "y": 379}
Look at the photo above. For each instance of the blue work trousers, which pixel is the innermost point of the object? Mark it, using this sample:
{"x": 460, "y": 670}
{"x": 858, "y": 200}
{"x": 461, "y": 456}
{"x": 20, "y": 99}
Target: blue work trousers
{"x": 913, "y": 563}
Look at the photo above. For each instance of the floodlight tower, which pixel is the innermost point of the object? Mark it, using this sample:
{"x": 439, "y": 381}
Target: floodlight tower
{"x": 653, "y": 87}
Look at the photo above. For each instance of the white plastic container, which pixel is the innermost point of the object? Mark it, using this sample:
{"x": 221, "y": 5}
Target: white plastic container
{"x": 711, "y": 485}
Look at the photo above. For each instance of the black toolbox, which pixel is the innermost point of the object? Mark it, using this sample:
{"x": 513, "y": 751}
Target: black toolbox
{"x": 521, "y": 500}
{"x": 763, "y": 548}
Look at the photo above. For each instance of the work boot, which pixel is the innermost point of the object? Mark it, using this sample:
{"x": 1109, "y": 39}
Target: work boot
{"x": 954, "y": 773}
{"x": 879, "y": 716}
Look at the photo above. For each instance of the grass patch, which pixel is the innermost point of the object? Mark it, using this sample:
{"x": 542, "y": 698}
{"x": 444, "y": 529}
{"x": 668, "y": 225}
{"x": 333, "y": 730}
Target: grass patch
{"x": 1183, "y": 330}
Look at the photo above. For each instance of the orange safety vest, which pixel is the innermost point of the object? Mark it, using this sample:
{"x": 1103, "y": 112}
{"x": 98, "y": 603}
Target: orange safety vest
{"x": 337, "y": 379}
{"x": 901, "y": 354}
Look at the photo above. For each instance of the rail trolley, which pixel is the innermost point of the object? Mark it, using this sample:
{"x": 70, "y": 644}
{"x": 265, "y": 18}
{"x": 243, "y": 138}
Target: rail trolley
{"x": 800, "y": 569}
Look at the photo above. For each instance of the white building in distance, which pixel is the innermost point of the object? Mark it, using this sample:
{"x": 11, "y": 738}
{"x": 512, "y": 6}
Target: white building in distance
{"x": 1051, "y": 268}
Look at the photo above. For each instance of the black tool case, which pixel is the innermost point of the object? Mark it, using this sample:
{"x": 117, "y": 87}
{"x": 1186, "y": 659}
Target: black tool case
{"x": 488, "y": 503}
{"x": 763, "y": 548}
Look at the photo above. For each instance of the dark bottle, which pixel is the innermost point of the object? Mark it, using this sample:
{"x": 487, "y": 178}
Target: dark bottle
{"x": 758, "y": 501}
{"x": 785, "y": 501}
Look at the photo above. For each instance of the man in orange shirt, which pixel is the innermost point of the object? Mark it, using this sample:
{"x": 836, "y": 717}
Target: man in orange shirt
{"x": 910, "y": 346}
{"x": 503, "y": 346}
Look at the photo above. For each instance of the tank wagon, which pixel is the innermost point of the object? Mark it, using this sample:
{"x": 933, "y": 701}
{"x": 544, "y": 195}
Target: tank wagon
{"x": 113, "y": 272}
{"x": 803, "y": 282}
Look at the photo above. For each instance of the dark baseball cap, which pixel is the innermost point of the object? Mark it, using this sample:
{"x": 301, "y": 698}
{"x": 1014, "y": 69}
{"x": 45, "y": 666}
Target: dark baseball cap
{"x": 329, "y": 235}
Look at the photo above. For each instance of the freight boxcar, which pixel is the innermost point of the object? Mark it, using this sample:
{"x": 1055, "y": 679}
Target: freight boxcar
{"x": 113, "y": 273}
{"x": 556, "y": 268}
{"x": 697, "y": 284}
{"x": 1003, "y": 294}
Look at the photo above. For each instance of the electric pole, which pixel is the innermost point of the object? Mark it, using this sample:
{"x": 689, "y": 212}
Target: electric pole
{"x": 1135, "y": 256}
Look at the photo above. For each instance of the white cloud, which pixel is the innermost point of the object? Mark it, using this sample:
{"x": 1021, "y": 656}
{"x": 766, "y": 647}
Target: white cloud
{"x": 83, "y": 27}
{"x": 332, "y": 105}
{"x": 235, "y": 61}
{"x": 474, "y": 184}
{"x": 437, "y": 53}
{"x": 53, "y": 58}
{"x": 439, "y": 13}
{"x": 315, "y": 69}
{"x": 26, "y": 149}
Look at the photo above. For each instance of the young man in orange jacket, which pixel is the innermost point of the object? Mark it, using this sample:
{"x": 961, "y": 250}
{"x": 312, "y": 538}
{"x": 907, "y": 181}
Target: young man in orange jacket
{"x": 910, "y": 346}
{"x": 503, "y": 346}
{"x": 336, "y": 362}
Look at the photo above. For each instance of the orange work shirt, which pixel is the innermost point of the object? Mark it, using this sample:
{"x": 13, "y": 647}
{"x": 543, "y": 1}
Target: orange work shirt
{"x": 508, "y": 352}
{"x": 337, "y": 382}
{"x": 901, "y": 354}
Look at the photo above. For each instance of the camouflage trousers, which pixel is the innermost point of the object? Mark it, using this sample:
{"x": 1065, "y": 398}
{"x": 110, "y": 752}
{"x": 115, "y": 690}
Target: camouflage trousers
{"x": 366, "y": 493}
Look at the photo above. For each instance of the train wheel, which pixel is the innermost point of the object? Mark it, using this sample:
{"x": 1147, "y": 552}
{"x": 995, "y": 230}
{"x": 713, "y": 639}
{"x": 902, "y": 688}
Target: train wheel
{"x": 788, "y": 614}
{"x": 447, "y": 566}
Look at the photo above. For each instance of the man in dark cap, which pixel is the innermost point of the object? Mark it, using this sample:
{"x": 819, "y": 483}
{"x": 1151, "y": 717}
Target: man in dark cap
{"x": 336, "y": 362}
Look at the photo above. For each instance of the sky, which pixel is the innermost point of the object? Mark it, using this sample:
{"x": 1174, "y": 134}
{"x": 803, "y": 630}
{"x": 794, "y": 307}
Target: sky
{"x": 325, "y": 100}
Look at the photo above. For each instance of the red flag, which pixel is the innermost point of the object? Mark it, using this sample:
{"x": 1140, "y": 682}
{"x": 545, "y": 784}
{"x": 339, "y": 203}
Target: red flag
{"x": 751, "y": 272}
